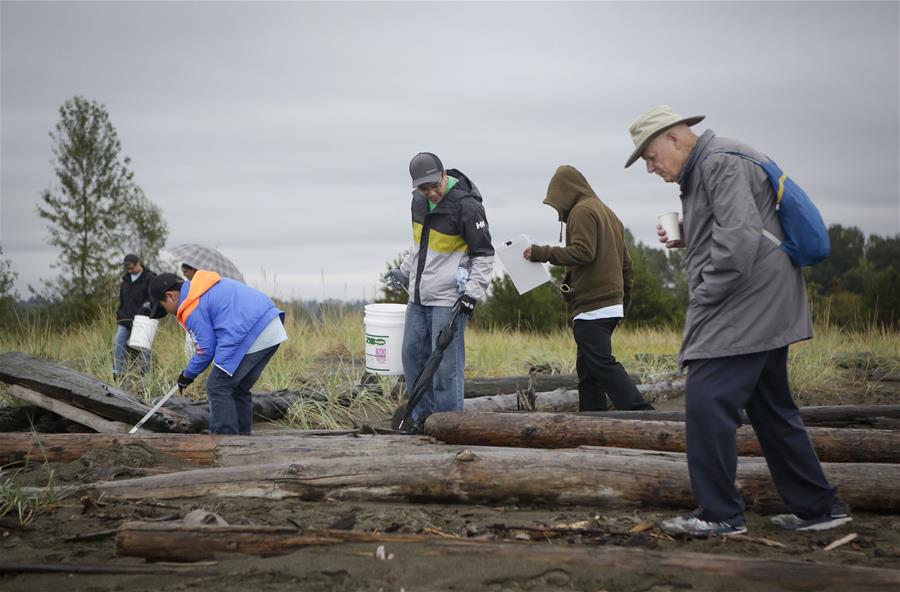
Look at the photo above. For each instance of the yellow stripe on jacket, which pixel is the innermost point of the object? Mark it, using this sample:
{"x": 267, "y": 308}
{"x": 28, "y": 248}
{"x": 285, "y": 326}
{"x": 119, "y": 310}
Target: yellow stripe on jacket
{"x": 440, "y": 242}
{"x": 202, "y": 282}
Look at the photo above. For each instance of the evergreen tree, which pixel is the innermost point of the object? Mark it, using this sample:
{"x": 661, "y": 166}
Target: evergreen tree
{"x": 8, "y": 294}
{"x": 96, "y": 208}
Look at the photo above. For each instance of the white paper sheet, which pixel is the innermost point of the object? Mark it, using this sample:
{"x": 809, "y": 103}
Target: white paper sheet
{"x": 526, "y": 275}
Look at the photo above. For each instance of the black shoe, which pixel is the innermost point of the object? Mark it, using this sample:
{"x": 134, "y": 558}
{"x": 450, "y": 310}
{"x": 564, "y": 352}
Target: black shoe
{"x": 415, "y": 429}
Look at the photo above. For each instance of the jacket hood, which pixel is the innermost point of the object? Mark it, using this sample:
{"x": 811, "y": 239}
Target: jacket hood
{"x": 464, "y": 188}
{"x": 567, "y": 187}
{"x": 202, "y": 282}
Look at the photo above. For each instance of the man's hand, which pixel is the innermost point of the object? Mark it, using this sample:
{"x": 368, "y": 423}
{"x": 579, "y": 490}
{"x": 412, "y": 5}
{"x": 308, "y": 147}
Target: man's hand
{"x": 145, "y": 309}
{"x": 664, "y": 237}
{"x": 183, "y": 382}
{"x": 466, "y": 304}
{"x": 397, "y": 277}
{"x": 527, "y": 253}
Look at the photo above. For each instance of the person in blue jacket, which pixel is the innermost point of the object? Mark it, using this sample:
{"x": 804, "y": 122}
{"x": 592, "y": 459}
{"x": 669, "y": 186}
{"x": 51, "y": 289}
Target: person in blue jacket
{"x": 233, "y": 326}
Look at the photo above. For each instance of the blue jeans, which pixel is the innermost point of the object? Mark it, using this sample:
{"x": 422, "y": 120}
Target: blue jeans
{"x": 230, "y": 402}
{"x": 447, "y": 389}
{"x": 120, "y": 350}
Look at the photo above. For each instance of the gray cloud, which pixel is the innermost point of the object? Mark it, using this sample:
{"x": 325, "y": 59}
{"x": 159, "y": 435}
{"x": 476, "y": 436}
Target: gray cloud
{"x": 280, "y": 132}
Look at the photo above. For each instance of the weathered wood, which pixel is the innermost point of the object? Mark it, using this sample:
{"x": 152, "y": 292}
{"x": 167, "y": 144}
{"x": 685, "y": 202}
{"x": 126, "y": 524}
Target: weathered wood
{"x": 209, "y": 450}
{"x": 558, "y": 430}
{"x": 14, "y": 567}
{"x": 607, "y": 477}
{"x": 561, "y": 400}
{"x": 70, "y": 412}
{"x": 836, "y": 416}
{"x": 267, "y": 406}
{"x": 483, "y": 387}
{"x": 183, "y": 543}
{"x": 85, "y": 392}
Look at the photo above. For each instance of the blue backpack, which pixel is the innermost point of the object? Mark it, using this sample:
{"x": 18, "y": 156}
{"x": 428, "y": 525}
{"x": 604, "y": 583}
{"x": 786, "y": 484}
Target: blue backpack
{"x": 805, "y": 235}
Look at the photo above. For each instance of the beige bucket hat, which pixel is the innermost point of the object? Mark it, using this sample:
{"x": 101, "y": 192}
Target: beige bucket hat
{"x": 652, "y": 123}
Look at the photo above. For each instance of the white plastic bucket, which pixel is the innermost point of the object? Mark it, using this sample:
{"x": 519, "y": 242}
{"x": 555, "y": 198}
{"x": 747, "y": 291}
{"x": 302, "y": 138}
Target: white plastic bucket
{"x": 384, "y": 338}
{"x": 143, "y": 330}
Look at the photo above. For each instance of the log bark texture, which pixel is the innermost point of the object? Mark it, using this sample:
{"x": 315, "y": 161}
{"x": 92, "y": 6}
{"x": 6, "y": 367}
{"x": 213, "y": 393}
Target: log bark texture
{"x": 835, "y": 416}
{"x": 558, "y": 430}
{"x": 70, "y": 412}
{"x": 83, "y": 391}
{"x": 561, "y": 400}
{"x": 607, "y": 477}
{"x": 194, "y": 543}
{"x": 211, "y": 450}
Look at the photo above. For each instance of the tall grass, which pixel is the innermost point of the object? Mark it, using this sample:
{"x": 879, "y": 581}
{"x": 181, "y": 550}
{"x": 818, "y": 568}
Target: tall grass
{"x": 326, "y": 354}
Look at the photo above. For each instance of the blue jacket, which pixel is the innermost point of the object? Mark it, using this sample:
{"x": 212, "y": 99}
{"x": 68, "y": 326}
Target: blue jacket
{"x": 223, "y": 318}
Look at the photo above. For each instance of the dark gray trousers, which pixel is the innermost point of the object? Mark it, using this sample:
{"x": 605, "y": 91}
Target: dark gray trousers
{"x": 717, "y": 390}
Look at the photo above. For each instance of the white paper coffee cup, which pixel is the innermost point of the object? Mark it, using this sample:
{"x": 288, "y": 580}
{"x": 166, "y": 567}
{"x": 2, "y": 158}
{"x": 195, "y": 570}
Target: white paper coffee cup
{"x": 669, "y": 222}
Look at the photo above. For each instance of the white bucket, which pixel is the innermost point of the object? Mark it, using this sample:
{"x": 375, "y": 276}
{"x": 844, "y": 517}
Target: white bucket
{"x": 384, "y": 338}
{"x": 143, "y": 330}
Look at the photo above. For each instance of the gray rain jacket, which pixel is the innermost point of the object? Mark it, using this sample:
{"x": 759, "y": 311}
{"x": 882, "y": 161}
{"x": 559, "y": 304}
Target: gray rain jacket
{"x": 453, "y": 236}
{"x": 745, "y": 294}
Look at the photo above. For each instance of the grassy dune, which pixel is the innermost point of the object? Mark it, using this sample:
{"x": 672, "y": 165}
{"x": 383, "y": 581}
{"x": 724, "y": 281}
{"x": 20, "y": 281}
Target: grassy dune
{"x": 327, "y": 354}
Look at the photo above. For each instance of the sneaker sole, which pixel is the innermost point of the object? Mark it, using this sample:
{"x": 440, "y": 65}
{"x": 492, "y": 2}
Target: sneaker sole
{"x": 833, "y": 523}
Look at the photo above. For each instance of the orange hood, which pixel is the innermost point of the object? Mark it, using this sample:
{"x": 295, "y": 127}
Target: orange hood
{"x": 203, "y": 281}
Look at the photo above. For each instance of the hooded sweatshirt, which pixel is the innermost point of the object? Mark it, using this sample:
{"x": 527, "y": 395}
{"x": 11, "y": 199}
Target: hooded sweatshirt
{"x": 598, "y": 266}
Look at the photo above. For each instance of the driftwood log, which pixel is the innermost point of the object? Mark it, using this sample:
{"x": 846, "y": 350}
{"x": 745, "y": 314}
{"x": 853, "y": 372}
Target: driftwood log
{"x": 562, "y": 400}
{"x": 85, "y": 392}
{"x": 77, "y": 391}
{"x": 163, "y": 542}
{"x": 211, "y": 450}
{"x": 835, "y": 416}
{"x": 607, "y": 477}
{"x": 565, "y": 430}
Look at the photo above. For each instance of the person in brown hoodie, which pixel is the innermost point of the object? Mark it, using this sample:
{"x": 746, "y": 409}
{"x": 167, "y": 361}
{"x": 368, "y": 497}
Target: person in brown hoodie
{"x": 597, "y": 288}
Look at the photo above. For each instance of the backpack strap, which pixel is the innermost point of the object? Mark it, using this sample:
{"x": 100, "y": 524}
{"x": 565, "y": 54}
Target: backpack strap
{"x": 778, "y": 194}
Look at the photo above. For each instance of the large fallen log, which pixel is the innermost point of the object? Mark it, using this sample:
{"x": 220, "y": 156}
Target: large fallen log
{"x": 70, "y": 412}
{"x": 565, "y": 430}
{"x": 608, "y": 477}
{"x": 166, "y": 542}
{"x": 83, "y": 391}
{"x": 834, "y": 416}
{"x": 209, "y": 450}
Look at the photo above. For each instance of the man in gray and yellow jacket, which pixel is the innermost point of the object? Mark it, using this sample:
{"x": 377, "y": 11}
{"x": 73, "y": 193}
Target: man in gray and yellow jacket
{"x": 449, "y": 265}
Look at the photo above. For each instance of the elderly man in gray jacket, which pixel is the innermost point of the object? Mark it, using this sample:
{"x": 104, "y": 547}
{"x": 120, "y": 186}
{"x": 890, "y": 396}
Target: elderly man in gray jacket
{"x": 747, "y": 305}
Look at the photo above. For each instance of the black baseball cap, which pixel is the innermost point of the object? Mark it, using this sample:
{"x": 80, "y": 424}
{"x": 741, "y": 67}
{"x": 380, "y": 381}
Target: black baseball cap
{"x": 163, "y": 283}
{"x": 424, "y": 168}
{"x": 131, "y": 258}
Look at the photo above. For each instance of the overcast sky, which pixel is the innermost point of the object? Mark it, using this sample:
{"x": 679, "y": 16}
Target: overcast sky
{"x": 281, "y": 132}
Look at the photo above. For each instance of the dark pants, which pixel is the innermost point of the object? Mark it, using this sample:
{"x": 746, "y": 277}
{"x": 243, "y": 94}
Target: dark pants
{"x": 599, "y": 374}
{"x": 230, "y": 402}
{"x": 717, "y": 390}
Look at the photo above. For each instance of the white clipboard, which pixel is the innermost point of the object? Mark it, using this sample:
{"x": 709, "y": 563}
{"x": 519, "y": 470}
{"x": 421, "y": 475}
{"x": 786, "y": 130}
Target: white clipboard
{"x": 526, "y": 275}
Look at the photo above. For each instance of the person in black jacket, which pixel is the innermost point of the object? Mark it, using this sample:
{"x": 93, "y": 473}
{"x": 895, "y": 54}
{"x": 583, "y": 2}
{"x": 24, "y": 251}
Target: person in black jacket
{"x": 134, "y": 293}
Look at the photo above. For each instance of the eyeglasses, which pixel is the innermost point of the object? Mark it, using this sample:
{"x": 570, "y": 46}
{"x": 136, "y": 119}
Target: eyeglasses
{"x": 428, "y": 187}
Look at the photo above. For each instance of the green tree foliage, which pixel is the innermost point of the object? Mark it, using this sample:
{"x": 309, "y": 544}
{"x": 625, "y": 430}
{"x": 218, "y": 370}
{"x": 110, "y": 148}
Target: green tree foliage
{"x": 847, "y": 249}
{"x": 389, "y": 291}
{"x": 8, "y": 293}
{"x": 95, "y": 209}
{"x": 659, "y": 295}
{"x": 540, "y": 309}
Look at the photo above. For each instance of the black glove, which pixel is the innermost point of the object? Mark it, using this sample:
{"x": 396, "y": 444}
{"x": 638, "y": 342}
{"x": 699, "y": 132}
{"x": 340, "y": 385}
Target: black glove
{"x": 397, "y": 277}
{"x": 466, "y": 304}
{"x": 183, "y": 382}
{"x": 145, "y": 309}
